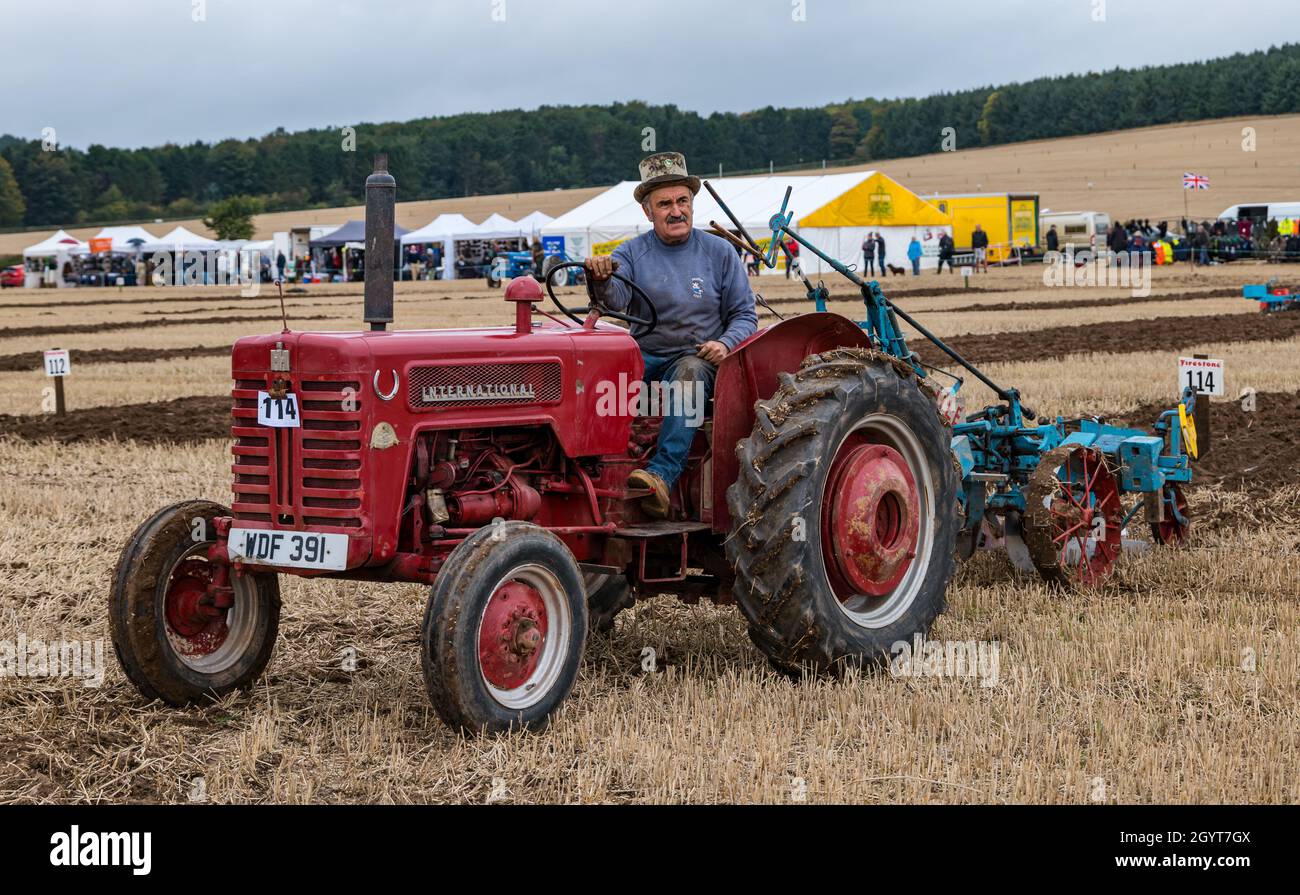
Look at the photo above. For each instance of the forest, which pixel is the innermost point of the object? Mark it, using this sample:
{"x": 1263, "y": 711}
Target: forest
{"x": 574, "y": 146}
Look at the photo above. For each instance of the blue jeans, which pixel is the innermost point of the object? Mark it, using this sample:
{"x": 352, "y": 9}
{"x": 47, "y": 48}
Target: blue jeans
{"x": 916, "y": 267}
{"x": 682, "y": 407}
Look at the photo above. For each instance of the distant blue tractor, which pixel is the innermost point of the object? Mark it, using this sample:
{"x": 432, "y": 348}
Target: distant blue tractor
{"x": 508, "y": 266}
{"x": 1058, "y": 496}
{"x": 1271, "y": 297}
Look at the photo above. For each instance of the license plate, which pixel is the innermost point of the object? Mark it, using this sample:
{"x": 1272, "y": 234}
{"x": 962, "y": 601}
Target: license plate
{"x": 292, "y": 549}
{"x": 281, "y": 413}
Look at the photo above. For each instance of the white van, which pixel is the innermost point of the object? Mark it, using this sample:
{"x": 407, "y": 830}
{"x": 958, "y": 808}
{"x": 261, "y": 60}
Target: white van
{"x": 1262, "y": 210}
{"x": 1080, "y": 229}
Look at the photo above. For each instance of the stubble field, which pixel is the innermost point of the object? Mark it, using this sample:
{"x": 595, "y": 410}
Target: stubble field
{"x": 1176, "y": 681}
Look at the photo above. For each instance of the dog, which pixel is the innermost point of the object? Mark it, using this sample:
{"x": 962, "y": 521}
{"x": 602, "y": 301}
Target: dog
{"x": 896, "y": 271}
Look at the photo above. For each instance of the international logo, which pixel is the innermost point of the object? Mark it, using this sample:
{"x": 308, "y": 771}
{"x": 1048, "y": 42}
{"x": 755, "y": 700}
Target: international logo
{"x": 445, "y": 394}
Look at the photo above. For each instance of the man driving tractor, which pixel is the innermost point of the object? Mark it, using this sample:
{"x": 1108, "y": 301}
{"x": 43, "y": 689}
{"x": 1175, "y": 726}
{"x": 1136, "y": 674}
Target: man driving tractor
{"x": 705, "y": 304}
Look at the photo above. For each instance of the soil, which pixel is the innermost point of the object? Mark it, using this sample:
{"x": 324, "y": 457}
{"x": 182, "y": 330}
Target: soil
{"x": 1253, "y": 451}
{"x": 34, "y": 360}
{"x": 183, "y": 299}
{"x": 1121, "y": 337}
{"x": 178, "y": 420}
{"x": 16, "y": 332}
{"x": 1063, "y": 304}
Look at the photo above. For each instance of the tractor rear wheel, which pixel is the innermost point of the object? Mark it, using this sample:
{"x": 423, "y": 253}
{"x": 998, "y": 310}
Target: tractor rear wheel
{"x": 504, "y": 629}
{"x": 171, "y": 640}
{"x": 845, "y": 513}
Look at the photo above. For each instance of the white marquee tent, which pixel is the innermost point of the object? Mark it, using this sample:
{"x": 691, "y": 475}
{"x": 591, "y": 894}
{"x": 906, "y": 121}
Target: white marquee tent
{"x": 52, "y": 245}
{"x": 443, "y": 230}
{"x": 531, "y": 223}
{"x": 833, "y": 211}
{"x": 58, "y": 246}
{"x": 496, "y": 226}
{"x": 125, "y": 239}
{"x": 182, "y": 240}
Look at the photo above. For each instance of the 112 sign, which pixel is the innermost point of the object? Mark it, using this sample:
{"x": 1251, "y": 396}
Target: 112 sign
{"x": 281, "y": 413}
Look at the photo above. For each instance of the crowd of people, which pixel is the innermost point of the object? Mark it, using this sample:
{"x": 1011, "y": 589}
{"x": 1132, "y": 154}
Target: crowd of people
{"x": 1207, "y": 242}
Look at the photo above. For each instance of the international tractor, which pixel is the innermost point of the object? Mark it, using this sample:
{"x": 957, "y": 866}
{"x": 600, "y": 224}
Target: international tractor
{"x": 821, "y": 496}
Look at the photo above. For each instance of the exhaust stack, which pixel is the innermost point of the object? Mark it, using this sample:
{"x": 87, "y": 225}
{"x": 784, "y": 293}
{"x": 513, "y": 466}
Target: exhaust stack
{"x": 381, "y": 200}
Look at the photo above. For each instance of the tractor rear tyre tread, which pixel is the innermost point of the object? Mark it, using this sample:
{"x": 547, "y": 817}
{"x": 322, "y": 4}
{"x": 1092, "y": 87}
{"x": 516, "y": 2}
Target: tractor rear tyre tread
{"x": 781, "y": 582}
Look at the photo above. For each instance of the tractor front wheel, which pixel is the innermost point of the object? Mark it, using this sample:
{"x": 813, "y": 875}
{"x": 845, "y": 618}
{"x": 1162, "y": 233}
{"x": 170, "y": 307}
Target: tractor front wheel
{"x": 845, "y": 513}
{"x": 179, "y": 635}
{"x": 504, "y": 629}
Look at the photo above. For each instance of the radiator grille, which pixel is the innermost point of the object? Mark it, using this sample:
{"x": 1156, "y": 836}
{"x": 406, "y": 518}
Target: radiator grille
{"x": 484, "y": 385}
{"x": 309, "y": 475}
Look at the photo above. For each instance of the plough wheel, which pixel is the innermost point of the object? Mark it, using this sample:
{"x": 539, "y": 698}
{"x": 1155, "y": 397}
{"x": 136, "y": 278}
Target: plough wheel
{"x": 1172, "y": 532}
{"x": 1073, "y": 516}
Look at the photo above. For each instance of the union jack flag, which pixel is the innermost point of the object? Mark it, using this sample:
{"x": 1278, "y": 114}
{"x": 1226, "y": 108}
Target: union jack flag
{"x": 1195, "y": 182}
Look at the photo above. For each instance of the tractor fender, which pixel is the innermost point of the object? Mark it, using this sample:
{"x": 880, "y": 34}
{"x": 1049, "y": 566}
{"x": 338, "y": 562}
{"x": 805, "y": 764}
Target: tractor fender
{"x": 749, "y": 374}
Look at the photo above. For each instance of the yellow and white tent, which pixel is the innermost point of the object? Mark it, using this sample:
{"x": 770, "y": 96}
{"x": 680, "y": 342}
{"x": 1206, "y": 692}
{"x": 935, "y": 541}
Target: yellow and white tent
{"x": 834, "y": 212}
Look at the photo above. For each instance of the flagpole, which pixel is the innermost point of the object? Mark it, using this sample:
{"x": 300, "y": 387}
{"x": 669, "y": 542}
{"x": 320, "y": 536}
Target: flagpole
{"x": 1191, "y": 255}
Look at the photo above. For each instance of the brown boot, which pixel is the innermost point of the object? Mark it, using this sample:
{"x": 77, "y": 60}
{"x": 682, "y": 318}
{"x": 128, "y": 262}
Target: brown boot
{"x": 656, "y": 502}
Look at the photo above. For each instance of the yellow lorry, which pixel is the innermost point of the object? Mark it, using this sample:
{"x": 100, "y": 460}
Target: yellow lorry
{"x": 1010, "y": 220}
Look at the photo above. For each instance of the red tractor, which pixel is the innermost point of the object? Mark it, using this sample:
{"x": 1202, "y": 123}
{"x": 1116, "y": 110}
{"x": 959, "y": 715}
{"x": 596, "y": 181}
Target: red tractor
{"x": 820, "y": 496}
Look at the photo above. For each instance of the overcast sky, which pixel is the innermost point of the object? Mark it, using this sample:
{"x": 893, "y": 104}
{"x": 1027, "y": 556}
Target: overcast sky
{"x": 144, "y": 72}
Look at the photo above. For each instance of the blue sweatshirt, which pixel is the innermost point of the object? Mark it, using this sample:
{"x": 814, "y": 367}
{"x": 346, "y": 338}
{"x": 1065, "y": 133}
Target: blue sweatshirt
{"x": 698, "y": 287}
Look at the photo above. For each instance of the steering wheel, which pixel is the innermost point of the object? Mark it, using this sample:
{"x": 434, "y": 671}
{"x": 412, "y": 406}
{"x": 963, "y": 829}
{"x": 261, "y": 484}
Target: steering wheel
{"x": 572, "y": 313}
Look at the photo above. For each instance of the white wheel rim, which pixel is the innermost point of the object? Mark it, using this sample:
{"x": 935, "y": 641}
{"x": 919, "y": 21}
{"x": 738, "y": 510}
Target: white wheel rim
{"x": 555, "y": 645}
{"x": 240, "y": 623}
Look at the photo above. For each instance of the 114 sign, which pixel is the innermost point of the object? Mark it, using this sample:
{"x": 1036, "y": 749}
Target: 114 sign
{"x": 1204, "y": 375}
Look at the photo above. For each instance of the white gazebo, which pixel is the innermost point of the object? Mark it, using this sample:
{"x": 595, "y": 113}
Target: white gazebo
{"x": 126, "y": 240}
{"x": 496, "y": 226}
{"x": 530, "y": 224}
{"x": 182, "y": 240}
{"x": 58, "y": 246}
{"x": 443, "y": 230}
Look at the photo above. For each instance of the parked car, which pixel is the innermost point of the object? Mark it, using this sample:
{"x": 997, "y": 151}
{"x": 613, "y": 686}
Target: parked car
{"x": 12, "y": 276}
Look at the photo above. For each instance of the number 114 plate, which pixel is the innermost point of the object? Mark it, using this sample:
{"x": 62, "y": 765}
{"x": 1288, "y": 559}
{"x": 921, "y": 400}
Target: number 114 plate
{"x": 292, "y": 549}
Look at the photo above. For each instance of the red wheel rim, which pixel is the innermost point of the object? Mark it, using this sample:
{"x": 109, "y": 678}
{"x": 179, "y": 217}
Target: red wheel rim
{"x": 1085, "y": 512}
{"x": 197, "y": 629}
{"x": 512, "y": 635}
{"x": 1172, "y": 532}
{"x": 870, "y": 519}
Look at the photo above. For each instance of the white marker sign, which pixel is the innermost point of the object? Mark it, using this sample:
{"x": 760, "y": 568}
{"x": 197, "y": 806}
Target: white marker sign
{"x": 1203, "y": 374}
{"x": 58, "y": 363}
{"x": 279, "y": 413}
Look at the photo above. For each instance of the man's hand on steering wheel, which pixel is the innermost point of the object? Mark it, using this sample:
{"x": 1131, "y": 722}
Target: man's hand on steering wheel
{"x": 600, "y": 268}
